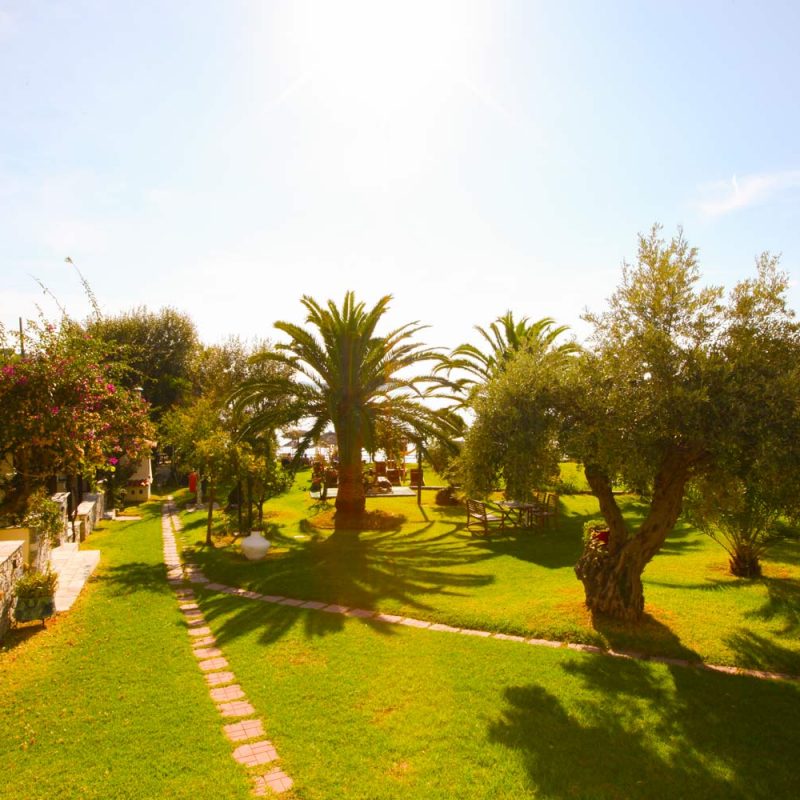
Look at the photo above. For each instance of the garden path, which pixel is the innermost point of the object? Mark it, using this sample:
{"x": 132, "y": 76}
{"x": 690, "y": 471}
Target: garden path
{"x": 74, "y": 567}
{"x": 254, "y": 751}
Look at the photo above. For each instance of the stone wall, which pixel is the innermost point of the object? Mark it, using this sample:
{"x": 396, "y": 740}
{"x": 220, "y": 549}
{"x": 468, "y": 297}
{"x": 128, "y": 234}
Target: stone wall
{"x": 11, "y": 562}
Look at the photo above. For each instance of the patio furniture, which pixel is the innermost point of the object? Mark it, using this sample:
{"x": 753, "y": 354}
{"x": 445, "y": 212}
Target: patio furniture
{"x": 380, "y": 468}
{"x": 416, "y": 478}
{"x": 483, "y": 516}
{"x": 519, "y": 514}
{"x": 547, "y": 514}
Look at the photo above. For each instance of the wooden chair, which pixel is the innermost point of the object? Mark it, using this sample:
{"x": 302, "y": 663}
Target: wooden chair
{"x": 478, "y": 511}
{"x": 547, "y": 514}
{"x": 416, "y": 478}
{"x": 380, "y": 468}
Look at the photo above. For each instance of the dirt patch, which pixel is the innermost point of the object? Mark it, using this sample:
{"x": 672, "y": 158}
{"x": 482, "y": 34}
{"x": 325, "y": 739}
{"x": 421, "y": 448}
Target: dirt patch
{"x": 376, "y": 520}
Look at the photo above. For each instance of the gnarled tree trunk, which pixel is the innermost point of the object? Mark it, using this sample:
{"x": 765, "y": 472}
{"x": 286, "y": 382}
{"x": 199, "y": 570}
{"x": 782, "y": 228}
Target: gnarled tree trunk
{"x": 612, "y": 574}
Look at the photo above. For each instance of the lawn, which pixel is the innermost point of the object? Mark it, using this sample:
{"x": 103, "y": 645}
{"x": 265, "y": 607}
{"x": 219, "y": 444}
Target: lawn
{"x": 420, "y": 561}
{"x": 107, "y": 702}
{"x": 362, "y": 710}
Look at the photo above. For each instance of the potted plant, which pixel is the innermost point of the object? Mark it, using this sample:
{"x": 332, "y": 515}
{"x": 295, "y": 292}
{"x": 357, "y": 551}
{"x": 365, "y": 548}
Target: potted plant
{"x": 596, "y": 533}
{"x": 35, "y": 595}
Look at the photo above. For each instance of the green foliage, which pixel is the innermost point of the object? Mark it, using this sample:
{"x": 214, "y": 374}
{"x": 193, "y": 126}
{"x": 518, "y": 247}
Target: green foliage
{"x": 45, "y": 516}
{"x": 505, "y": 337}
{"x": 513, "y": 438}
{"x": 591, "y": 526}
{"x": 159, "y": 349}
{"x": 36, "y": 584}
{"x": 344, "y": 374}
{"x": 62, "y": 408}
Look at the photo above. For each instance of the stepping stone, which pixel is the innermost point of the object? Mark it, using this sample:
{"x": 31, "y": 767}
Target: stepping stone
{"x": 255, "y": 754}
{"x": 276, "y": 780}
{"x": 238, "y": 708}
{"x": 194, "y": 578}
{"x": 334, "y": 609}
{"x": 204, "y": 641}
{"x": 361, "y": 613}
{"x": 215, "y": 587}
{"x": 187, "y": 607}
{"x": 175, "y": 581}
{"x": 507, "y": 637}
{"x": 217, "y": 678}
{"x": 202, "y": 631}
{"x": 249, "y": 729}
{"x": 290, "y": 602}
{"x": 207, "y": 652}
{"x": 251, "y": 595}
{"x": 471, "y": 632}
{"x": 439, "y": 626}
{"x": 226, "y": 693}
{"x": 543, "y": 643}
{"x": 386, "y": 617}
{"x": 315, "y": 604}
{"x": 212, "y": 664}
{"x": 193, "y": 622}
{"x": 585, "y": 648}
{"x": 272, "y": 598}
{"x": 415, "y": 623}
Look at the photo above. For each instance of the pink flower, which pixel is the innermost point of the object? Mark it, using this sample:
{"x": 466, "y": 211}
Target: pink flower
{"x": 54, "y": 410}
{"x": 113, "y": 460}
{"x": 8, "y": 370}
{"x": 110, "y": 388}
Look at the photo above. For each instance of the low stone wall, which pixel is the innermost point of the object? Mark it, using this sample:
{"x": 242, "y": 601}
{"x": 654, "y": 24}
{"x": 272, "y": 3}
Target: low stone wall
{"x": 11, "y": 562}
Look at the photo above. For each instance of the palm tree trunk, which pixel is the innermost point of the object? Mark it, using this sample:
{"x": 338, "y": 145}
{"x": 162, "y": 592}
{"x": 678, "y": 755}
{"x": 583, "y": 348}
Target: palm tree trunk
{"x": 350, "y": 495}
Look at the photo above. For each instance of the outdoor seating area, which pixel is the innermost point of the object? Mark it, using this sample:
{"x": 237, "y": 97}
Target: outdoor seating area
{"x": 541, "y": 512}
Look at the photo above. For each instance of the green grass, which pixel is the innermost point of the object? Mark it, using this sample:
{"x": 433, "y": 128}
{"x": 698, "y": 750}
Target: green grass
{"x": 108, "y": 702}
{"x": 426, "y": 565}
{"x": 362, "y": 710}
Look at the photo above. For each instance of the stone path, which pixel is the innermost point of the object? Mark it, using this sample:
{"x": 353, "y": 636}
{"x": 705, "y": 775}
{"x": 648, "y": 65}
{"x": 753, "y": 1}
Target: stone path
{"x": 254, "y": 752}
{"x": 74, "y": 567}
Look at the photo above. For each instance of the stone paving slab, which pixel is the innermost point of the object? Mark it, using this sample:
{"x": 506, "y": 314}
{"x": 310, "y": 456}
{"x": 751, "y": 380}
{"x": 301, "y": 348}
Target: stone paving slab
{"x": 213, "y": 663}
{"x": 217, "y": 678}
{"x": 226, "y": 693}
{"x": 74, "y": 567}
{"x": 255, "y": 754}
{"x": 237, "y": 708}
{"x": 247, "y": 729}
{"x": 203, "y": 641}
{"x": 207, "y": 652}
{"x": 201, "y": 631}
{"x": 275, "y": 780}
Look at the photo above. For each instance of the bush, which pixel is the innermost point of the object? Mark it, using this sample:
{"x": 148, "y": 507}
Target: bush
{"x": 45, "y": 516}
{"x": 447, "y": 497}
{"x": 36, "y": 584}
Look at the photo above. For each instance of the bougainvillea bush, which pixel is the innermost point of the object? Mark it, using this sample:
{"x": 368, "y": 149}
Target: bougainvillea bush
{"x": 62, "y": 408}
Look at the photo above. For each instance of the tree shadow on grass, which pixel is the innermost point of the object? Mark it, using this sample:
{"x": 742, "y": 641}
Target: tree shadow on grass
{"x": 134, "y": 577}
{"x": 638, "y": 731}
{"x": 386, "y": 570}
{"x": 648, "y": 635}
{"x": 758, "y": 652}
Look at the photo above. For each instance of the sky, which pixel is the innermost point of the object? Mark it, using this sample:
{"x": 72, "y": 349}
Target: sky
{"x": 468, "y": 158}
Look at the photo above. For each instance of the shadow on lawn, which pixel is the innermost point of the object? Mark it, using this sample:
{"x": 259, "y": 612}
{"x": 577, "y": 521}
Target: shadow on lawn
{"x": 356, "y": 571}
{"x": 637, "y": 732}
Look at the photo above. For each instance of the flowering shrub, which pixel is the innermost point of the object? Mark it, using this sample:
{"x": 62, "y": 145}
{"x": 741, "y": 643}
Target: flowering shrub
{"x": 61, "y": 408}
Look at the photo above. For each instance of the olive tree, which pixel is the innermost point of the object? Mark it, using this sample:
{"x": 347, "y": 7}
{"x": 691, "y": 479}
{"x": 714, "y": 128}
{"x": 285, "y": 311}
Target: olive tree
{"x": 672, "y": 387}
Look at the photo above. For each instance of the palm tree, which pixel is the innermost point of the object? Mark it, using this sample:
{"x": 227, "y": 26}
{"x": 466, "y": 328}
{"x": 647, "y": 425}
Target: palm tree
{"x": 343, "y": 374}
{"x": 505, "y": 337}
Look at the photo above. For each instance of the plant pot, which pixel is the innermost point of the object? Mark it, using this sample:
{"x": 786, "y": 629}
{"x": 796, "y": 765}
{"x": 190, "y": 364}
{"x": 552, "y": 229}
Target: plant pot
{"x": 30, "y": 608}
{"x": 255, "y": 546}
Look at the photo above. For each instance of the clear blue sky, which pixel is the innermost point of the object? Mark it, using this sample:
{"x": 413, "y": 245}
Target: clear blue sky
{"x": 468, "y": 158}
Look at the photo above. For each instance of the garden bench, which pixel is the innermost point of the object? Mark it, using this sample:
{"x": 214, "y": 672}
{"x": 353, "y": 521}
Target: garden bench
{"x": 479, "y": 512}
